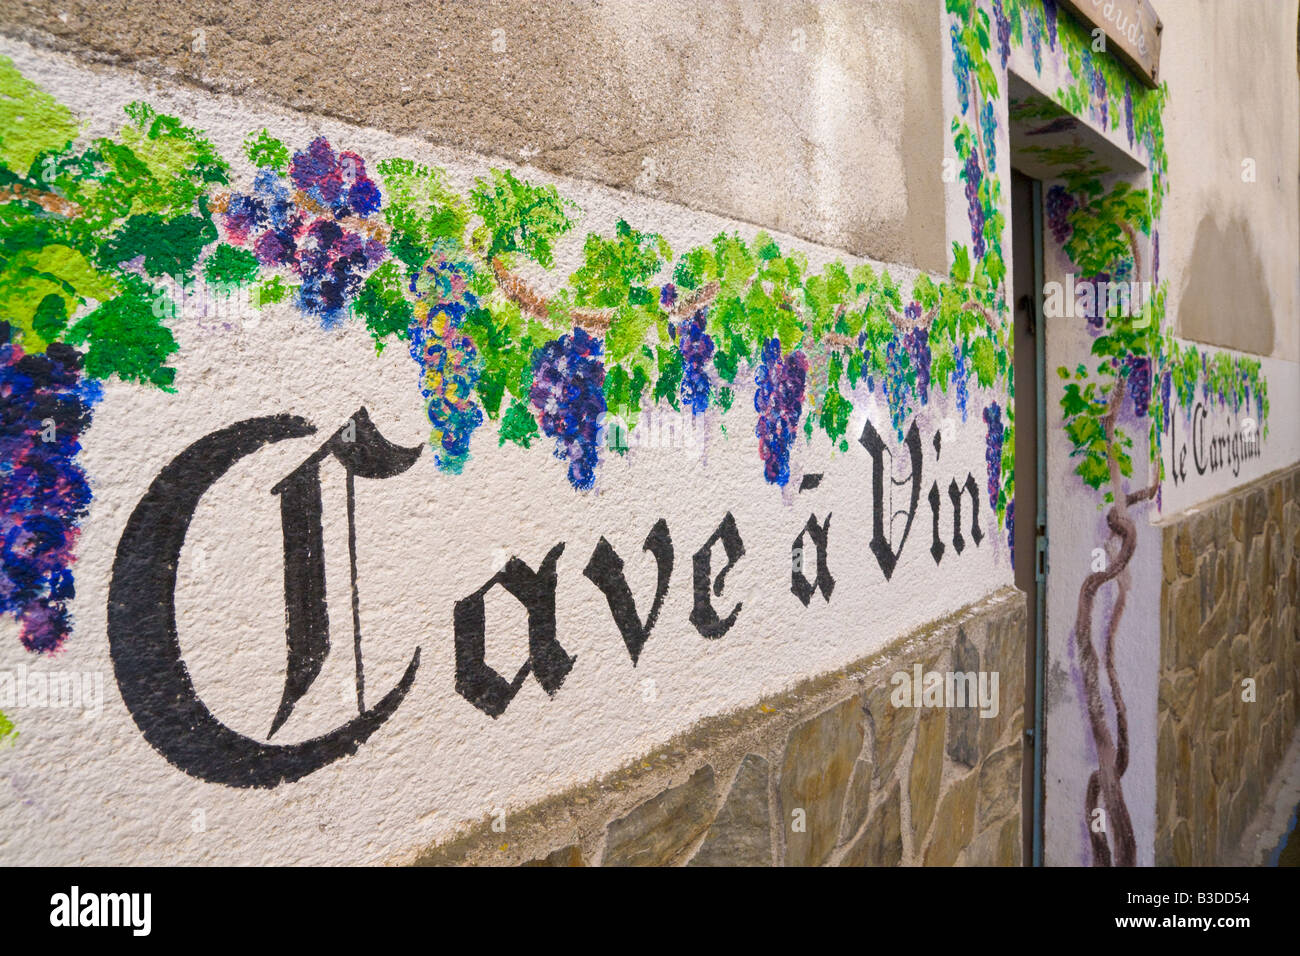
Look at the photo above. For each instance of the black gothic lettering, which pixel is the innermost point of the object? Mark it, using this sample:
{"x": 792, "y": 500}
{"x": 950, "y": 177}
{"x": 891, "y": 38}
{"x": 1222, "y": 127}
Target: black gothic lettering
{"x": 605, "y": 570}
{"x": 476, "y": 681}
{"x": 886, "y": 556}
{"x": 799, "y": 584}
{"x": 145, "y": 648}
{"x": 703, "y": 616}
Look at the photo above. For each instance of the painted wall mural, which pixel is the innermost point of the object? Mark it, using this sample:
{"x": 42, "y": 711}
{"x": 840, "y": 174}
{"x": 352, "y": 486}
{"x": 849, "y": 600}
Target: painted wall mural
{"x": 107, "y": 238}
{"x": 1102, "y": 226}
{"x": 521, "y": 329}
{"x": 94, "y": 232}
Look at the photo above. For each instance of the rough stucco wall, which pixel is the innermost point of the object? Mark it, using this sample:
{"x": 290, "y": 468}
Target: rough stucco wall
{"x": 425, "y": 540}
{"x": 1232, "y": 247}
{"x": 713, "y": 105}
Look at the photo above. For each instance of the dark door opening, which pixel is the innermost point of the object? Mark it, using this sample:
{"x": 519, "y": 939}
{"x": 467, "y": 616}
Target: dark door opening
{"x": 1030, "y": 516}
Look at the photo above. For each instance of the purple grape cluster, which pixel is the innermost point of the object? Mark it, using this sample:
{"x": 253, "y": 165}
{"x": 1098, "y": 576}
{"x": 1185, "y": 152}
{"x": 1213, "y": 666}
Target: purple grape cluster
{"x": 1060, "y": 203}
{"x": 1097, "y": 86}
{"x": 960, "y": 67}
{"x": 917, "y": 343}
{"x": 778, "y": 399}
{"x": 993, "y": 450}
{"x": 1049, "y": 11}
{"x": 568, "y": 393}
{"x": 668, "y": 295}
{"x": 1011, "y": 530}
{"x": 1139, "y": 382}
{"x": 449, "y": 362}
{"x": 696, "y": 351}
{"x": 264, "y": 213}
{"x": 1096, "y": 315}
{"x": 1166, "y": 390}
{"x": 330, "y": 259}
{"x": 43, "y": 491}
{"x": 337, "y": 181}
{"x": 1004, "y": 32}
{"x": 1128, "y": 112}
{"x": 973, "y": 175}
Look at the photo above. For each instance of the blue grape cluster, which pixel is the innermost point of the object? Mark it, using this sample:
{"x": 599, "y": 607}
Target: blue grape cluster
{"x": 449, "y": 362}
{"x": 973, "y": 175}
{"x": 43, "y": 490}
{"x": 267, "y": 215}
{"x": 989, "y": 125}
{"x": 1096, "y": 316}
{"x": 1097, "y": 86}
{"x": 696, "y": 350}
{"x": 1060, "y": 204}
{"x": 1004, "y": 33}
{"x": 569, "y": 394}
{"x": 960, "y": 67}
{"x": 778, "y": 399}
{"x": 1036, "y": 39}
{"x": 993, "y": 450}
{"x": 1139, "y": 382}
{"x": 960, "y": 375}
{"x": 897, "y": 388}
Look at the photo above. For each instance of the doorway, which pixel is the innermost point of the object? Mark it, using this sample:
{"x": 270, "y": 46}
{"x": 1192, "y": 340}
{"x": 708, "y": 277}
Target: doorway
{"x": 1030, "y": 518}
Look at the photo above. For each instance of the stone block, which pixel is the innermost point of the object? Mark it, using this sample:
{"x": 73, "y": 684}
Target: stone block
{"x": 999, "y": 784}
{"x": 891, "y": 728}
{"x": 926, "y": 773}
{"x": 881, "y": 841}
{"x": 570, "y": 855}
{"x": 820, "y": 755}
{"x": 858, "y": 800}
{"x": 658, "y": 831}
{"x": 954, "y": 823}
{"x": 741, "y": 835}
{"x": 963, "y": 722}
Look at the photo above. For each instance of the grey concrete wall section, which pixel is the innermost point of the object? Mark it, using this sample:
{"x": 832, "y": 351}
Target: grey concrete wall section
{"x": 1230, "y": 239}
{"x": 823, "y": 120}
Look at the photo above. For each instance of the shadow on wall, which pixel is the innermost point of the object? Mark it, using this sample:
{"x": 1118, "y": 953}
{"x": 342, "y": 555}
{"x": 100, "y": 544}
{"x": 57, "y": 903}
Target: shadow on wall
{"x": 1225, "y": 299}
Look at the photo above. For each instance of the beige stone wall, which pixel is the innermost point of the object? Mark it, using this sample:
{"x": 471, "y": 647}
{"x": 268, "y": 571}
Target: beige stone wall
{"x": 1230, "y": 606}
{"x": 764, "y": 112}
{"x": 878, "y": 785}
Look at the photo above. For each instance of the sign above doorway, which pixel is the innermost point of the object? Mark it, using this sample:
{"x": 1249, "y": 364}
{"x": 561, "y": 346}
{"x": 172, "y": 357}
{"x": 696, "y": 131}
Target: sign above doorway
{"x": 1133, "y": 28}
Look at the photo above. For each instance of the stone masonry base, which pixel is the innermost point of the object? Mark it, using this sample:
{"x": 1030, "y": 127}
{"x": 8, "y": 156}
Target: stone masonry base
{"x": 830, "y": 773}
{"x": 1229, "y": 615}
